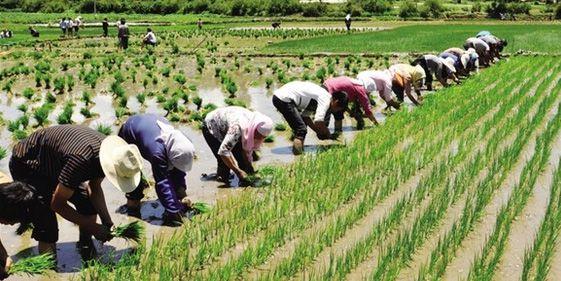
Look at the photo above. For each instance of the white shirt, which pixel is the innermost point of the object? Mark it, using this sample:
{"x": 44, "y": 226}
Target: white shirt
{"x": 301, "y": 93}
{"x": 150, "y": 37}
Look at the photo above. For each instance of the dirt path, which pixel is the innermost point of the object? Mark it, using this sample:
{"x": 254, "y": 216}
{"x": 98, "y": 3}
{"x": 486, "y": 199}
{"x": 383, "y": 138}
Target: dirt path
{"x": 458, "y": 269}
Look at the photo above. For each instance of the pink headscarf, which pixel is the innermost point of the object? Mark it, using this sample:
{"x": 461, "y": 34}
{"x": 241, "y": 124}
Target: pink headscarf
{"x": 257, "y": 123}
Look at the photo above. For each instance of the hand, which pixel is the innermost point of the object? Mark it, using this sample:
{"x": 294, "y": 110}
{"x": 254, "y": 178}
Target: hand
{"x": 335, "y": 136}
{"x": 100, "y": 232}
{"x": 242, "y": 175}
{"x": 4, "y": 272}
{"x": 324, "y": 136}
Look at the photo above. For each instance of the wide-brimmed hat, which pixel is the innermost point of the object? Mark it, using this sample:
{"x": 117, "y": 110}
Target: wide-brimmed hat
{"x": 121, "y": 162}
{"x": 449, "y": 63}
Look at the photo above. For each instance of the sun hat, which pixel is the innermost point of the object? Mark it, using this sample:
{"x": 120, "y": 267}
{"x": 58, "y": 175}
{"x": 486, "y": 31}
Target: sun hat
{"x": 367, "y": 82}
{"x": 121, "y": 162}
{"x": 465, "y": 59}
{"x": 449, "y": 63}
{"x": 180, "y": 150}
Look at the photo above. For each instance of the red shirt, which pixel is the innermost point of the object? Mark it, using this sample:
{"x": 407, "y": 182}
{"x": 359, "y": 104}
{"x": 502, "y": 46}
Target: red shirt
{"x": 354, "y": 89}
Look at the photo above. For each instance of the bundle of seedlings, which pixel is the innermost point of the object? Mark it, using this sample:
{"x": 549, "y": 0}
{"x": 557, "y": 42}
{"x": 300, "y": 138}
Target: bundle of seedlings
{"x": 133, "y": 231}
{"x": 40, "y": 265}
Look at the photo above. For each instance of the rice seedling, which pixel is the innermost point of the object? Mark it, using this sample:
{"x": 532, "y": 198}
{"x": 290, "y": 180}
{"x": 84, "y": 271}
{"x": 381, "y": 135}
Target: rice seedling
{"x": 235, "y": 102}
{"x": 65, "y": 116}
{"x": 37, "y": 265}
{"x": 269, "y": 139}
{"x": 3, "y": 153}
{"x": 41, "y": 114}
{"x": 198, "y": 101}
{"x": 19, "y": 134}
{"x": 86, "y": 112}
{"x": 28, "y": 93}
{"x": 281, "y": 127}
{"x": 201, "y": 207}
{"x": 141, "y": 98}
{"x": 70, "y": 82}
{"x": 22, "y": 107}
{"x": 133, "y": 231}
{"x": 104, "y": 129}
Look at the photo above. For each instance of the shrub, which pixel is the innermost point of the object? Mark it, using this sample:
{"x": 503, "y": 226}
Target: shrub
{"x": 558, "y": 12}
{"x": 377, "y": 7}
{"x": 432, "y": 9}
{"x": 408, "y": 9}
{"x": 316, "y": 9}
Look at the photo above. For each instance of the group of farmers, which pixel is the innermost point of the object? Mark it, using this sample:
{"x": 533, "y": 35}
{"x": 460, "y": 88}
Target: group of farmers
{"x": 66, "y": 164}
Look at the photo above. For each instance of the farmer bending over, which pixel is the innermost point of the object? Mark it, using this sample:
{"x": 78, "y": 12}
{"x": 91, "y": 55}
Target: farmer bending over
{"x": 233, "y": 133}
{"x": 356, "y": 93}
{"x": 481, "y": 48}
{"x": 441, "y": 68}
{"x": 149, "y": 38}
{"x": 65, "y": 164}
{"x": 33, "y": 32}
{"x": 380, "y": 81}
{"x": 404, "y": 78}
{"x": 170, "y": 154}
{"x": 298, "y": 100}
{"x": 459, "y": 60}
{"x": 496, "y": 45}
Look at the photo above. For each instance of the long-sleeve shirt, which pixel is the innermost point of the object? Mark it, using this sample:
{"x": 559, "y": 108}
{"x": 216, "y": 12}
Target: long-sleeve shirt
{"x": 301, "y": 93}
{"x": 383, "y": 81}
{"x": 123, "y": 31}
{"x": 144, "y": 132}
{"x": 436, "y": 67}
{"x": 354, "y": 89}
{"x": 225, "y": 124}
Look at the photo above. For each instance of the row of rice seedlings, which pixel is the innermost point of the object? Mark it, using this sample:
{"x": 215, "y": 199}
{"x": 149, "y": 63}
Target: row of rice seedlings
{"x": 449, "y": 244}
{"x": 237, "y": 211}
{"x": 342, "y": 265}
{"x": 537, "y": 259}
{"x": 484, "y": 266}
{"x": 404, "y": 166}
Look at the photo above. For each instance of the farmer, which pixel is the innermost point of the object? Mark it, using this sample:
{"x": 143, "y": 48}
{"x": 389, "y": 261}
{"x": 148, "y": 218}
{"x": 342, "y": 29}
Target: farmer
{"x": 62, "y": 25}
{"x": 70, "y": 27}
{"x": 105, "y": 26}
{"x": 149, "y": 38}
{"x": 496, "y": 45}
{"x": 123, "y": 34}
{"x": 298, "y": 100}
{"x": 405, "y": 77}
{"x": 200, "y": 24}
{"x": 348, "y": 22}
{"x": 356, "y": 93}
{"x": 170, "y": 154}
{"x": 481, "y": 48}
{"x": 77, "y": 24}
{"x": 380, "y": 81}
{"x": 233, "y": 133}
{"x": 460, "y": 57}
{"x": 439, "y": 67}
{"x": 33, "y": 32}
{"x": 67, "y": 163}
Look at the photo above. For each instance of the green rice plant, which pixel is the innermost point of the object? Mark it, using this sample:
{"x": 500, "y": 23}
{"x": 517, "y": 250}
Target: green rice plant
{"x": 70, "y": 82}
{"x": 86, "y": 112}
{"x": 198, "y": 101}
{"x": 38, "y": 79}
{"x": 65, "y": 117}
{"x": 320, "y": 74}
{"x": 19, "y": 134}
{"x": 28, "y": 93}
{"x": 86, "y": 98}
{"x": 235, "y": 102}
{"x": 165, "y": 71}
{"x": 270, "y": 138}
{"x": 281, "y": 127}
{"x": 123, "y": 101}
{"x": 59, "y": 84}
{"x": 268, "y": 82}
{"x": 180, "y": 79}
{"x": 41, "y": 114}
{"x": 13, "y": 125}
{"x": 104, "y": 129}
{"x": 133, "y": 231}
{"x": 37, "y": 265}
{"x": 171, "y": 105}
{"x": 201, "y": 207}
{"x": 232, "y": 88}
{"x": 141, "y": 98}
{"x": 24, "y": 121}
{"x": 22, "y": 107}
{"x": 120, "y": 112}
{"x": 3, "y": 153}
{"x": 50, "y": 98}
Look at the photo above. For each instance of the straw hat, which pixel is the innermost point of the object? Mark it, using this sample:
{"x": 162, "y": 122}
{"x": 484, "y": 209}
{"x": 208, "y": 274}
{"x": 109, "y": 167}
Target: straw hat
{"x": 449, "y": 63}
{"x": 121, "y": 162}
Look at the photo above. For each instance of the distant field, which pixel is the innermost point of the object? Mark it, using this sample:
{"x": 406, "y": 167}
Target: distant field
{"x": 427, "y": 38}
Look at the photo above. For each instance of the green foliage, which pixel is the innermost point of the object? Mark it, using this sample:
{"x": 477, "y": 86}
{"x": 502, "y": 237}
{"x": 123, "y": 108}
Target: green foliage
{"x": 376, "y": 7}
{"x": 36, "y": 265}
{"x": 432, "y": 9}
{"x": 281, "y": 127}
{"x": 65, "y": 116}
{"x": 133, "y": 231}
{"x": 41, "y": 114}
{"x": 104, "y": 129}
{"x": 408, "y": 9}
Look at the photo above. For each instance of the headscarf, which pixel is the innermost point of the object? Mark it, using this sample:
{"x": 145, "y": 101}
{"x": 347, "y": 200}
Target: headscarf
{"x": 483, "y": 33}
{"x": 257, "y": 122}
{"x": 449, "y": 63}
{"x": 367, "y": 82}
{"x": 465, "y": 59}
{"x": 180, "y": 150}
{"x": 418, "y": 73}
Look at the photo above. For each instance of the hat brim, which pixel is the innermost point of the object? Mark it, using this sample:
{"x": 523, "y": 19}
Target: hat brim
{"x": 107, "y": 161}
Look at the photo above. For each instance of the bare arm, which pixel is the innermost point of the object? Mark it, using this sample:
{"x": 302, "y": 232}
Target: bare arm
{"x": 5, "y": 262}
{"x": 59, "y": 204}
{"x": 410, "y": 96}
{"x": 231, "y": 162}
{"x": 373, "y": 119}
{"x": 98, "y": 201}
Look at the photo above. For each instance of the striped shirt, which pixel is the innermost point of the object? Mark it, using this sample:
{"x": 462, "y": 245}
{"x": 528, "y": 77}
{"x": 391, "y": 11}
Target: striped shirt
{"x": 67, "y": 153}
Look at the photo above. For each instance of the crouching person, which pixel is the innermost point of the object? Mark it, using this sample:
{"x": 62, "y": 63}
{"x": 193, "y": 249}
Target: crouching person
{"x": 405, "y": 78}
{"x": 233, "y": 133}
{"x": 170, "y": 154}
{"x": 381, "y": 81}
{"x": 66, "y": 164}
{"x": 298, "y": 100}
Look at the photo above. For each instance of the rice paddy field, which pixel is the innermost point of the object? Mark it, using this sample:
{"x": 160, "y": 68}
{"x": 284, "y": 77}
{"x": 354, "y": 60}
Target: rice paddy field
{"x": 464, "y": 187}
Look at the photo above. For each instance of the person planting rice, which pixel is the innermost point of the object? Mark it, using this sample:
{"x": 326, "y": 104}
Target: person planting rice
{"x": 149, "y": 38}
{"x": 481, "y": 48}
{"x": 356, "y": 93}
{"x": 404, "y": 78}
{"x": 170, "y": 154}
{"x": 298, "y": 100}
{"x": 123, "y": 34}
{"x": 381, "y": 81}
{"x": 436, "y": 66}
{"x": 460, "y": 62}
{"x": 496, "y": 45}
{"x": 33, "y": 32}
{"x": 233, "y": 133}
{"x": 67, "y": 163}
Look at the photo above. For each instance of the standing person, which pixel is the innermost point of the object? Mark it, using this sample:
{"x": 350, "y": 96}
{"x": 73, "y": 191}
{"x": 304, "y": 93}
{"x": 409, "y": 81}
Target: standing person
{"x": 233, "y": 133}
{"x": 297, "y": 101}
{"x": 123, "y": 35}
{"x": 105, "y": 26}
{"x": 62, "y": 25}
{"x": 200, "y": 24}
{"x": 70, "y": 27}
{"x": 149, "y": 38}
{"x": 404, "y": 78}
{"x": 67, "y": 163}
{"x": 77, "y": 24}
{"x": 481, "y": 48}
{"x": 357, "y": 94}
{"x": 436, "y": 66}
{"x": 380, "y": 81}
{"x": 348, "y": 22}
{"x": 170, "y": 154}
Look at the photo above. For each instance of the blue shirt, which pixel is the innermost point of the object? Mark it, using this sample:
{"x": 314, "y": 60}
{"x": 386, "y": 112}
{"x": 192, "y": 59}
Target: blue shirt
{"x": 143, "y": 131}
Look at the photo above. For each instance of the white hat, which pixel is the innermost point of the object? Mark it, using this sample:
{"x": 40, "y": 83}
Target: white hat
{"x": 121, "y": 162}
{"x": 449, "y": 63}
{"x": 180, "y": 150}
{"x": 367, "y": 82}
{"x": 464, "y": 59}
